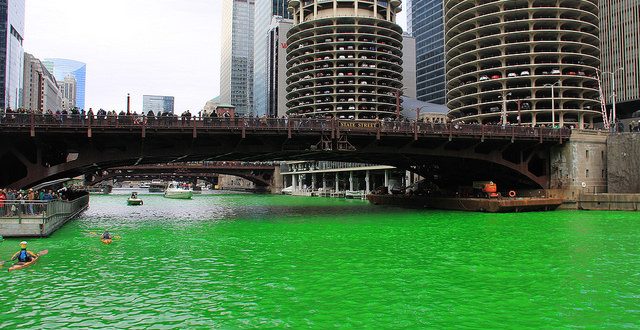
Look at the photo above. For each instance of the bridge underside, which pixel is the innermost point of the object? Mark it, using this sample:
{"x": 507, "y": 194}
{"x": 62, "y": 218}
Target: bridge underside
{"x": 261, "y": 178}
{"x": 28, "y": 161}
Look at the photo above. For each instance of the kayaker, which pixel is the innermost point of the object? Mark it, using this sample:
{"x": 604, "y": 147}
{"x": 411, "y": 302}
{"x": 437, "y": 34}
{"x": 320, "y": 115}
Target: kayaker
{"x": 23, "y": 255}
{"x": 106, "y": 235}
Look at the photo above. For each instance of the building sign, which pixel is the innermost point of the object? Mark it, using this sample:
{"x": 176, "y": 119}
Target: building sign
{"x": 348, "y": 124}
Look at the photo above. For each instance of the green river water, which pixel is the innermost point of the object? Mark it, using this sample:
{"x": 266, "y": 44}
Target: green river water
{"x": 244, "y": 261}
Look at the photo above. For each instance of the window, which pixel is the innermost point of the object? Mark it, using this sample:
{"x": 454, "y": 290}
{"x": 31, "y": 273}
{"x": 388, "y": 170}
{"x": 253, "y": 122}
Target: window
{"x": 587, "y": 151}
{"x": 587, "y": 173}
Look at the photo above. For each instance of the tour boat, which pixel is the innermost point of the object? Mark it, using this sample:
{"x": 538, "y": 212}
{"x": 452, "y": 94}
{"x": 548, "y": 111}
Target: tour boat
{"x": 174, "y": 191}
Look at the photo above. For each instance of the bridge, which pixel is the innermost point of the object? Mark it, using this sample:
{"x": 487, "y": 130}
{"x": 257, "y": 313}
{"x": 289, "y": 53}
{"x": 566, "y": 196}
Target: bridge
{"x": 39, "y": 148}
{"x": 260, "y": 174}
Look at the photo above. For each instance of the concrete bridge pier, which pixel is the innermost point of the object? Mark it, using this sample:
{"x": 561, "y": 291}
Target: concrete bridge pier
{"x": 294, "y": 182}
{"x": 367, "y": 182}
{"x": 386, "y": 178}
{"x": 351, "y": 181}
{"x": 313, "y": 182}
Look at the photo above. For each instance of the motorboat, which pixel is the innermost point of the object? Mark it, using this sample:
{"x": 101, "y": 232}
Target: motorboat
{"x": 175, "y": 191}
{"x": 134, "y": 200}
{"x": 157, "y": 186}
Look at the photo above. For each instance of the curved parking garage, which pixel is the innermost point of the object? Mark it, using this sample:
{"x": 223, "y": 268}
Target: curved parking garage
{"x": 344, "y": 59}
{"x": 505, "y": 58}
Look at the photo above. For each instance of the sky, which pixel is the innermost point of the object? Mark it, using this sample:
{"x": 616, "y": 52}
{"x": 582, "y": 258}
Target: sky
{"x": 141, "y": 47}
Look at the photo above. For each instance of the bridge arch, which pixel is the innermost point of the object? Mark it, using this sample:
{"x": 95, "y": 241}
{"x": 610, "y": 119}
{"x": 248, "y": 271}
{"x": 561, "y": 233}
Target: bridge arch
{"x": 39, "y": 153}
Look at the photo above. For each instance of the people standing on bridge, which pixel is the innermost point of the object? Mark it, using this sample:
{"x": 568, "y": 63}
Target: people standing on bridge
{"x": 150, "y": 117}
{"x": 30, "y": 197}
{"x": 3, "y": 198}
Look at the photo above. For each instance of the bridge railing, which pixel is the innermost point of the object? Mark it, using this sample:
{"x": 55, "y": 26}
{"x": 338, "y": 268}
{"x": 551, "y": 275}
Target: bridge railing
{"x": 279, "y": 124}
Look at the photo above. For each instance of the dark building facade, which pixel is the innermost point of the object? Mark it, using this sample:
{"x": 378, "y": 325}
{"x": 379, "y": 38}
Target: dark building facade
{"x": 265, "y": 11}
{"x": 425, "y": 22}
{"x": 11, "y": 52}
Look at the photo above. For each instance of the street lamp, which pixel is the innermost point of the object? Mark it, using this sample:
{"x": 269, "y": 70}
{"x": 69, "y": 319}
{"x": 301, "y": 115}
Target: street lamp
{"x": 613, "y": 96}
{"x": 553, "y": 102}
{"x": 504, "y": 107}
{"x": 398, "y": 93}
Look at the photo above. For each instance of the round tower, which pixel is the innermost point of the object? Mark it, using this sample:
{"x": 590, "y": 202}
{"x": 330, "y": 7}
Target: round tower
{"x": 505, "y": 58}
{"x": 344, "y": 59}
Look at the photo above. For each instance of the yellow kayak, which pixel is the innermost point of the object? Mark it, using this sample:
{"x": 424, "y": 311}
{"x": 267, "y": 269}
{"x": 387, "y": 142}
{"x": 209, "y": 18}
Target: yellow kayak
{"x": 106, "y": 241}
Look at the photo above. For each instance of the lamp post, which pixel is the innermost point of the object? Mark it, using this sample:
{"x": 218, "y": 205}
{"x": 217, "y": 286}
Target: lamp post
{"x": 553, "y": 102}
{"x": 504, "y": 107}
{"x": 398, "y": 93}
{"x": 128, "y": 103}
{"x": 613, "y": 96}
{"x": 519, "y": 118}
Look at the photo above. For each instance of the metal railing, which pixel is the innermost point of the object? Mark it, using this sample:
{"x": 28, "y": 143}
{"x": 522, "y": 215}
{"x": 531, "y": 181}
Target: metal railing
{"x": 291, "y": 125}
{"x": 44, "y": 210}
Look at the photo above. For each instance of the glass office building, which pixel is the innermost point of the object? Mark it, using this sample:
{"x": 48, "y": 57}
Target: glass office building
{"x": 236, "y": 72}
{"x": 61, "y": 68}
{"x": 264, "y": 12}
{"x": 157, "y": 103}
{"x": 11, "y": 52}
{"x": 620, "y": 53}
{"x": 425, "y": 22}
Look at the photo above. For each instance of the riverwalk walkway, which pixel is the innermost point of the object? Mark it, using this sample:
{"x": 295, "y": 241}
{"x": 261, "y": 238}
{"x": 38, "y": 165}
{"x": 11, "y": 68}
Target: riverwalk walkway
{"x": 38, "y": 218}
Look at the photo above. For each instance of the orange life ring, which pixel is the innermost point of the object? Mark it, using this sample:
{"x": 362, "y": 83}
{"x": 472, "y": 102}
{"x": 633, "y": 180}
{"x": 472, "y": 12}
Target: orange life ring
{"x": 512, "y": 193}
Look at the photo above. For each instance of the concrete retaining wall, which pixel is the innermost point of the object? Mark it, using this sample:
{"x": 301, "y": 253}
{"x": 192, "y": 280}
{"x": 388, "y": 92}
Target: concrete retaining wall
{"x": 623, "y": 162}
{"x": 609, "y": 202}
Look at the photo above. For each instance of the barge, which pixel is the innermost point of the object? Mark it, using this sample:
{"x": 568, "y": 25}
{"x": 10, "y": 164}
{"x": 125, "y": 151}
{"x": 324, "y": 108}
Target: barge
{"x": 490, "y": 205}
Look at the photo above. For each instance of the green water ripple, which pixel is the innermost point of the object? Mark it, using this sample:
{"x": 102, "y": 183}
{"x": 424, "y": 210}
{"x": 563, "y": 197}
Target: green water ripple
{"x": 244, "y": 261}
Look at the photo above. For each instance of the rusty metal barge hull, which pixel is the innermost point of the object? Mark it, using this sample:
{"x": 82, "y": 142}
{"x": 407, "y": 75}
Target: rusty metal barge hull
{"x": 493, "y": 205}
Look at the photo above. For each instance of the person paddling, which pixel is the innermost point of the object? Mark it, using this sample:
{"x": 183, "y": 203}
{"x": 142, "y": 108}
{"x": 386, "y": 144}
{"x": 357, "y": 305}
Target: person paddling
{"x": 23, "y": 255}
{"x": 105, "y": 235}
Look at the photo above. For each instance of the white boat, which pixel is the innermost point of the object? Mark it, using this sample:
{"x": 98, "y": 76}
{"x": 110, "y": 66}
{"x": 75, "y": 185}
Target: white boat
{"x": 355, "y": 194}
{"x": 287, "y": 191}
{"x": 176, "y": 192}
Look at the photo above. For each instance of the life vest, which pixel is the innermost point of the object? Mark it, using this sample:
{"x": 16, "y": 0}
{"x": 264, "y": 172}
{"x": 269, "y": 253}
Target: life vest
{"x": 24, "y": 256}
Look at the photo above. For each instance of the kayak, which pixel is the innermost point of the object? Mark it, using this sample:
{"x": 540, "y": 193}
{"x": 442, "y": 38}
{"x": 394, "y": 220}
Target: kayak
{"x": 23, "y": 265}
{"x": 106, "y": 241}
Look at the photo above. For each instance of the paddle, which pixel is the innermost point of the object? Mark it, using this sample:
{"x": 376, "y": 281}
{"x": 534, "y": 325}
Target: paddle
{"x": 40, "y": 254}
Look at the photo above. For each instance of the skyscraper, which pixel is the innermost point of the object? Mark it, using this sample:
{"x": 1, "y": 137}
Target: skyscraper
{"x": 519, "y": 62}
{"x": 276, "y": 89}
{"x": 236, "y": 72}
{"x": 264, "y": 12}
{"x": 620, "y": 46}
{"x": 61, "y": 68}
{"x": 40, "y": 88}
{"x": 425, "y": 22}
{"x": 11, "y": 52}
{"x": 344, "y": 59}
{"x": 68, "y": 89}
{"x": 157, "y": 103}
